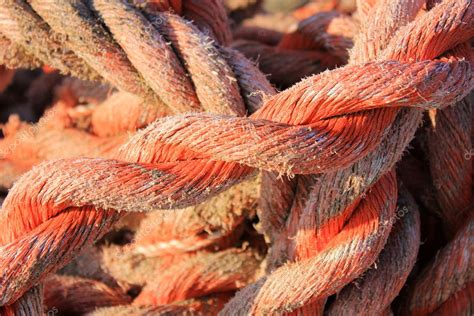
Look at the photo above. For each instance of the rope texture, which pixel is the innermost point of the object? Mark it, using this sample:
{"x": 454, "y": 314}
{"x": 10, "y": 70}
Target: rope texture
{"x": 340, "y": 132}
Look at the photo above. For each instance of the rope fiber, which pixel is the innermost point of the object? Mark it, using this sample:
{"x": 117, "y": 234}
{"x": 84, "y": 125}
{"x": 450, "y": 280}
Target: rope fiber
{"x": 178, "y": 116}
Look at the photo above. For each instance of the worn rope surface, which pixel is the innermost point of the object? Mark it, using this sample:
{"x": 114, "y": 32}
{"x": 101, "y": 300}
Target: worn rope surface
{"x": 340, "y": 132}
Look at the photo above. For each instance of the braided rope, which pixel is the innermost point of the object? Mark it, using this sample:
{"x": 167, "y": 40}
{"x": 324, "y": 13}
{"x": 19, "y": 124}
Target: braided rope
{"x": 346, "y": 125}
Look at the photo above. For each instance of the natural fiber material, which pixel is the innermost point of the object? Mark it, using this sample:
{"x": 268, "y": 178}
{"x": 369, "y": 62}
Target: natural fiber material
{"x": 328, "y": 271}
{"x": 214, "y": 85}
{"x": 79, "y": 296}
{"x": 449, "y": 142}
{"x": 326, "y": 146}
{"x": 378, "y": 287}
{"x": 454, "y": 263}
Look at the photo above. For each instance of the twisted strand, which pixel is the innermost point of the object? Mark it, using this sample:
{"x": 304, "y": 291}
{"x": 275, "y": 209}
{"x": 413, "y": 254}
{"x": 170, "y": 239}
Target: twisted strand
{"x": 92, "y": 42}
{"x": 326, "y": 273}
{"x": 380, "y": 285}
{"x": 20, "y": 24}
{"x": 454, "y": 263}
{"x": 29, "y": 304}
{"x": 354, "y": 181}
{"x": 449, "y": 144}
{"x": 176, "y": 64}
{"x": 386, "y": 17}
{"x": 210, "y": 17}
{"x": 155, "y": 59}
{"x": 169, "y": 166}
{"x": 76, "y": 295}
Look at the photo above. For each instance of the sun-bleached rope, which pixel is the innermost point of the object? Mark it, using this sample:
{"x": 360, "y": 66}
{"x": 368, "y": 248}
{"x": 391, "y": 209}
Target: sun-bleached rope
{"x": 177, "y": 65}
{"x": 325, "y": 199}
{"x": 377, "y": 288}
{"x": 322, "y": 125}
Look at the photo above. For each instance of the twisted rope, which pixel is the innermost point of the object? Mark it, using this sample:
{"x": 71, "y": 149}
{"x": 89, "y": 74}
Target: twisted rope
{"x": 323, "y": 191}
{"x": 346, "y": 125}
{"x": 378, "y": 287}
{"x": 449, "y": 143}
{"x": 77, "y": 295}
{"x": 455, "y": 263}
{"x": 319, "y": 276}
{"x": 158, "y": 71}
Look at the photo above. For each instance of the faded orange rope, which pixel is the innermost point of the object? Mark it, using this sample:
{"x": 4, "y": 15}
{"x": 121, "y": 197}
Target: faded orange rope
{"x": 341, "y": 124}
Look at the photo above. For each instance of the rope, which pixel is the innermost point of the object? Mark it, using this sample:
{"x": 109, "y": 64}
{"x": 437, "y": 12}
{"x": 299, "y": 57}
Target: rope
{"x": 212, "y": 83}
{"x": 430, "y": 290}
{"x": 341, "y": 132}
{"x": 337, "y": 37}
{"x": 451, "y": 171}
{"x": 84, "y": 295}
{"x": 382, "y": 283}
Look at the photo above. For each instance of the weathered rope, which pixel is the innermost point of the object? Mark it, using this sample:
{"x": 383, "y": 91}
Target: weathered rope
{"x": 454, "y": 263}
{"x": 158, "y": 71}
{"x": 321, "y": 275}
{"x": 77, "y": 295}
{"x": 341, "y": 132}
{"x": 450, "y": 144}
{"x": 382, "y": 283}
{"x": 323, "y": 199}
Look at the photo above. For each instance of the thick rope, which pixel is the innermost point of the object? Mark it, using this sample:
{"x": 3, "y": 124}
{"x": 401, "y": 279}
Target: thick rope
{"x": 346, "y": 125}
{"x": 324, "y": 274}
{"x": 449, "y": 143}
{"x": 192, "y": 73}
{"x": 382, "y": 283}
{"x": 325, "y": 193}
{"x": 454, "y": 263}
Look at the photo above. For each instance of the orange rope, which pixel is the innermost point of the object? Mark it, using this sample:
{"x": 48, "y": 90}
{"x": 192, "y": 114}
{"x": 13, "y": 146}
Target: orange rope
{"x": 337, "y": 136}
